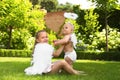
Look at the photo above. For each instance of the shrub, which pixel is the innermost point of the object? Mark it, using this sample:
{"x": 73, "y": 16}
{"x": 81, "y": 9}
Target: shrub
{"x": 115, "y": 56}
{"x": 90, "y": 55}
{"x": 15, "y": 53}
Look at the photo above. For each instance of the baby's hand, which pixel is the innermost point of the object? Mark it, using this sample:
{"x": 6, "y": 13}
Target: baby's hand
{"x": 54, "y": 42}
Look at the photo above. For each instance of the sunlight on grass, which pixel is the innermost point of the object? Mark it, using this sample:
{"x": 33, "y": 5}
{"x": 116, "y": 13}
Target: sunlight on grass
{"x": 95, "y": 61}
{"x": 12, "y": 68}
{"x": 15, "y": 59}
{"x": 22, "y": 59}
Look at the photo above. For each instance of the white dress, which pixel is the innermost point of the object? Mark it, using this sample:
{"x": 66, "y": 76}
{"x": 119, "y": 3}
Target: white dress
{"x": 42, "y": 59}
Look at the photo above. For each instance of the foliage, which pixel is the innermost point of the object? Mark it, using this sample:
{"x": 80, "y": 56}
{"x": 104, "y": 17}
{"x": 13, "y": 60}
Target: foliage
{"x": 49, "y": 5}
{"x": 52, "y": 36}
{"x": 34, "y": 2}
{"x": 98, "y": 43}
{"x": 94, "y": 40}
{"x": 65, "y": 7}
{"x": 81, "y": 13}
{"x": 36, "y": 20}
{"x": 91, "y": 26}
{"x": 87, "y": 32}
{"x": 106, "y": 4}
{"x": 113, "y": 43}
{"x": 114, "y": 19}
{"x": 20, "y": 40}
{"x": 19, "y": 15}
{"x": 13, "y": 15}
{"x": 114, "y": 39}
{"x": 3, "y": 39}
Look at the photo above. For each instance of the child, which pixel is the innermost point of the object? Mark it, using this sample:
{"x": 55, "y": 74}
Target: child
{"x": 42, "y": 58}
{"x": 69, "y": 41}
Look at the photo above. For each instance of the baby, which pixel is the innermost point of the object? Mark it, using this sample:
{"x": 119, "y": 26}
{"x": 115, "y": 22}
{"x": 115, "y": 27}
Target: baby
{"x": 69, "y": 41}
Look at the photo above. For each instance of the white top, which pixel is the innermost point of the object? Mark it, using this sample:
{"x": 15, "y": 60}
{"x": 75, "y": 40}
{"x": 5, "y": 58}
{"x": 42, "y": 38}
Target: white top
{"x": 42, "y": 59}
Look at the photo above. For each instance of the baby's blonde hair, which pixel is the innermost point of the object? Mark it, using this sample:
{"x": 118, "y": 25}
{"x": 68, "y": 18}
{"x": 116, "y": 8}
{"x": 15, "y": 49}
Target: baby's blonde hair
{"x": 72, "y": 26}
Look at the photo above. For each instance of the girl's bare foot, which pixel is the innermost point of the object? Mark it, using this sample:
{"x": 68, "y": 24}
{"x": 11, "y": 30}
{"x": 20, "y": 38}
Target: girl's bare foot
{"x": 80, "y": 73}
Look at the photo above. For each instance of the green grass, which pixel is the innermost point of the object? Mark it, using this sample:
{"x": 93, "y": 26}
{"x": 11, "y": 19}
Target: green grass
{"x": 12, "y": 68}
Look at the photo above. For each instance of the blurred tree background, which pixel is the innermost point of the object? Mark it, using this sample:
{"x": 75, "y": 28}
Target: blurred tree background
{"x": 97, "y": 29}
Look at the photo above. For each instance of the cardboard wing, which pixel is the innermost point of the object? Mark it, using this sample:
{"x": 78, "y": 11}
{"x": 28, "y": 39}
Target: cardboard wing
{"x": 54, "y": 20}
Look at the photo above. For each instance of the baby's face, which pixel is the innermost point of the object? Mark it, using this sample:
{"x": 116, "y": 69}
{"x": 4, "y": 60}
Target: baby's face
{"x": 67, "y": 29}
{"x": 43, "y": 37}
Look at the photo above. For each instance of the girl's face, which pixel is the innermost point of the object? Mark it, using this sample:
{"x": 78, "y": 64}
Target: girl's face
{"x": 67, "y": 29}
{"x": 42, "y": 37}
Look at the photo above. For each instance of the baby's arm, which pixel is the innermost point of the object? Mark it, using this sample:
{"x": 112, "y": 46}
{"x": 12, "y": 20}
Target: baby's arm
{"x": 58, "y": 51}
{"x": 62, "y": 41}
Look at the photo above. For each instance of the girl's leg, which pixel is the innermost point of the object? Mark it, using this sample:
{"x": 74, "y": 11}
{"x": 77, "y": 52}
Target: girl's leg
{"x": 62, "y": 64}
{"x": 69, "y": 61}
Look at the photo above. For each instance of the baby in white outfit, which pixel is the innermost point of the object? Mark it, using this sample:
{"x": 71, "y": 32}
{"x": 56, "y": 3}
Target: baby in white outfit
{"x": 69, "y": 41}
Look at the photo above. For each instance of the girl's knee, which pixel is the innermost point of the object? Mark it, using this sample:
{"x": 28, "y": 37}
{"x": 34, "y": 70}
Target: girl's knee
{"x": 63, "y": 62}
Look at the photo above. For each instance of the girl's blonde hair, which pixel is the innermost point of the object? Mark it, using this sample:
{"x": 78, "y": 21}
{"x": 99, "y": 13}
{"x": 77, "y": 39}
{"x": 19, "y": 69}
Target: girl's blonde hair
{"x": 37, "y": 35}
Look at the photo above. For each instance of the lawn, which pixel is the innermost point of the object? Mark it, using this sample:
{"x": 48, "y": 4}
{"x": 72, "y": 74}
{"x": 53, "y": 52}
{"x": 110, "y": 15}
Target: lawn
{"x": 12, "y": 68}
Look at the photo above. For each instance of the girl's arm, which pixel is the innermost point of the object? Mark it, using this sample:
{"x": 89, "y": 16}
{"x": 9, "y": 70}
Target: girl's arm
{"x": 62, "y": 41}
{"x": 58, "y": 51}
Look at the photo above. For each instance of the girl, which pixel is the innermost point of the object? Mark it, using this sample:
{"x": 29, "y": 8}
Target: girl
{"x": 42, "y": 57}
